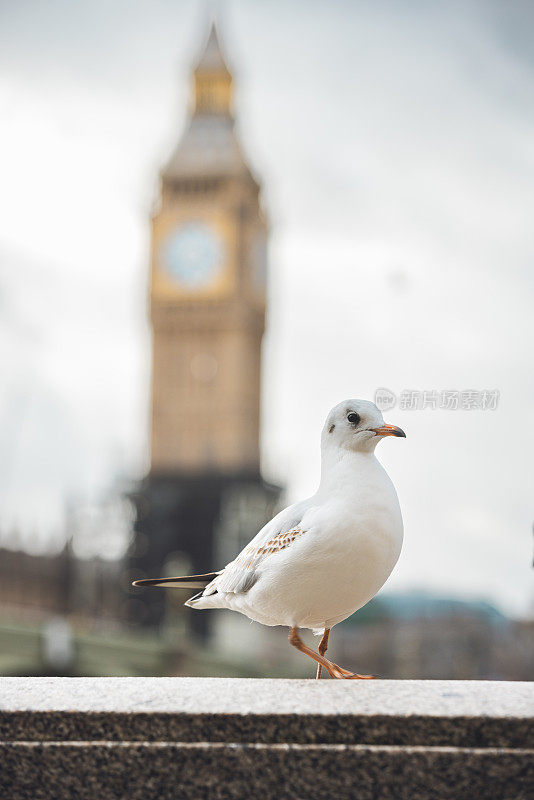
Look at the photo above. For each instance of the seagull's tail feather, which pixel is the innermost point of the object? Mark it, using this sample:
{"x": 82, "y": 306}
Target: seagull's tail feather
{"x": 201, "y": 601}
{"x": 185, "y": 582}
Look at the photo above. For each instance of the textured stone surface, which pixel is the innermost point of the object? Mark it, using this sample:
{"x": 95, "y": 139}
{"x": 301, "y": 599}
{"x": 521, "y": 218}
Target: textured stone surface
{"x": 231, "y": 695}
{"x": 456, "y": 713}
{"x": 245, "y": 771}
{"x": 222, "y": 738}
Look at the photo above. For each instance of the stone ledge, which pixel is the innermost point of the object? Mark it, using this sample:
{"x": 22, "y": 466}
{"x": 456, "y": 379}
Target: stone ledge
{"x": 434, "y": 713}
{"x": 223, "y": 738}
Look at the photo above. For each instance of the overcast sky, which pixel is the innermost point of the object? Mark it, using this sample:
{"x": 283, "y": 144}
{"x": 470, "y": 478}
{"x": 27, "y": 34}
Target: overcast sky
{"x": 396, "y": 145}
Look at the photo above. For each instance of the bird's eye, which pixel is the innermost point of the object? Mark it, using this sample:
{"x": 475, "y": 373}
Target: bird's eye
{"x": 353, "y": 418}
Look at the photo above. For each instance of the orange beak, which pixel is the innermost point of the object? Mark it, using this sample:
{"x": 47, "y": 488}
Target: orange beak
{"x": 389, "y": 430}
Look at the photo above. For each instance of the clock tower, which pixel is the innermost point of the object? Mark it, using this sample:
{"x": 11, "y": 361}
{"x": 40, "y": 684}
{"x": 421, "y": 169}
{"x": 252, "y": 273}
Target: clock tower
{"x": 207, "y": 291}
{"x": 207, "y": 307}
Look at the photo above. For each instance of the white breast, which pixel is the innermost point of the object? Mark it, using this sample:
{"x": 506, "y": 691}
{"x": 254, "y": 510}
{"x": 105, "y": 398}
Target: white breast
{"x": 351, "y": 543}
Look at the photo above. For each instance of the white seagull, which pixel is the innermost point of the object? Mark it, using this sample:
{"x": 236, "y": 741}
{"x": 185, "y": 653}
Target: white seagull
{"x": 318, "y": 561}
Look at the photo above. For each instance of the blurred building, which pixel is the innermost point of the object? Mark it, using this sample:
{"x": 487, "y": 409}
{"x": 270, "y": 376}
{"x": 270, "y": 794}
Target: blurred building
{"x": 64, "y": 615}
{"x": 419, "y": 635}
{"x": 204, "y": 496}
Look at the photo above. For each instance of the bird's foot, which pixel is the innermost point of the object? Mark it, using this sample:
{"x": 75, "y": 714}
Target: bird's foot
{"x": 339, "y": 672}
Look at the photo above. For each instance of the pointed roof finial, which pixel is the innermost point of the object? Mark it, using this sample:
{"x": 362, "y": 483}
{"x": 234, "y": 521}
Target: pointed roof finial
{"x": 209, "y": 146}
{"x": 212, "y": 59}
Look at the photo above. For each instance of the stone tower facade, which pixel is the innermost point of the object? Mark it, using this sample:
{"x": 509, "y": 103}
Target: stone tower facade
{"x": 207, "y": 305}
{"x": 207, "y": 295}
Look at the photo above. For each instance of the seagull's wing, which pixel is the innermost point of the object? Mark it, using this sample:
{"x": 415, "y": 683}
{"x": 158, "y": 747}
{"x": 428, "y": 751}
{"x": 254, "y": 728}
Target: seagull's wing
{"x": 241, "y": 573}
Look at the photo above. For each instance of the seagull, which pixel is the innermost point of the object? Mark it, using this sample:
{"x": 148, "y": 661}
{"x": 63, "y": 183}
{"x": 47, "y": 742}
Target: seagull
{"x": 319, "y": 560}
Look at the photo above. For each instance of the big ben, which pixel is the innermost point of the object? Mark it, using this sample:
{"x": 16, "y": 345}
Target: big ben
{"x": 207, "y": 306}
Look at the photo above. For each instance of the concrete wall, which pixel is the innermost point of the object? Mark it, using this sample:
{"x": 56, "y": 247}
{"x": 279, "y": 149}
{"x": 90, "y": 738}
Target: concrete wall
{"x": 223, "y": 738}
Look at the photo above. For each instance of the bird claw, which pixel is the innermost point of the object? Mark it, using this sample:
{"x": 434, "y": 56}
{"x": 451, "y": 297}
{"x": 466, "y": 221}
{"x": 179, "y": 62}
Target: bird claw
{"x": 355, "y": 676}
{"x": 339, "y": 672}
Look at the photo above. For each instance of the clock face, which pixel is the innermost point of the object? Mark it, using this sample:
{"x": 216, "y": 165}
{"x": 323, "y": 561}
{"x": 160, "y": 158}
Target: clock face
{"x": 193, "y": 255}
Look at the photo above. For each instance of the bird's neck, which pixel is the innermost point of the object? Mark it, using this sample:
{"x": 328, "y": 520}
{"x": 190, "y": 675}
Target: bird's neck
{"x": 339, "y": 465}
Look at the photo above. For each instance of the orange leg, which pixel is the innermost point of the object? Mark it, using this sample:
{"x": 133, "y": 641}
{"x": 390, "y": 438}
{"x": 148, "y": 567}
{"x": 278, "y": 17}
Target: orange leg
{"x": 333, "y": 669}
{"x": 323, "y": 647}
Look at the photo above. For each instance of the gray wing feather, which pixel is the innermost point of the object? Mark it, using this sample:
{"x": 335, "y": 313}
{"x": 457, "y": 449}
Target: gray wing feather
{"x": 240, "y": 575}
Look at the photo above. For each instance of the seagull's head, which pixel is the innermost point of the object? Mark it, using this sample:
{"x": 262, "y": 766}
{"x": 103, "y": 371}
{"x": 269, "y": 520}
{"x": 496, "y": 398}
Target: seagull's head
{"x": 356, "y": 425}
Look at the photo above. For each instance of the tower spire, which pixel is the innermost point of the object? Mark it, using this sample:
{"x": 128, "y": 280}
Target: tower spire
{"x": 209, "y": 145}
{"x": 212, "y": 59}
{"x": 212, "y": 79}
